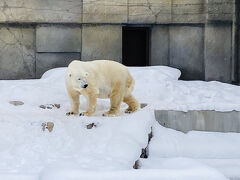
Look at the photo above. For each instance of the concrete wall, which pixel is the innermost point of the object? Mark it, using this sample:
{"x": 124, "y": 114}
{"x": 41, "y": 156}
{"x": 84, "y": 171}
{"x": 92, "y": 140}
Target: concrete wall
{"x": 200, "y": 51}
{"x": 199, "y": 120}
{"x": 196, "y": 36}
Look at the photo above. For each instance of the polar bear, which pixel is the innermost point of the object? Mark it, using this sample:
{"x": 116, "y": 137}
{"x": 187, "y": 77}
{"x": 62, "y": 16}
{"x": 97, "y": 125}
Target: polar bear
{"x": 100, "y": 79}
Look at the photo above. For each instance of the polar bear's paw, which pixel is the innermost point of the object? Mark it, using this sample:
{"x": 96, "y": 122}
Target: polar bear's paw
{"x": 110, "y": 114}
{"x": 71, "y": 113}
{"x": 130, "y": 110}
{"x": 85, "y": 114}
{"x": 82, "y": 114}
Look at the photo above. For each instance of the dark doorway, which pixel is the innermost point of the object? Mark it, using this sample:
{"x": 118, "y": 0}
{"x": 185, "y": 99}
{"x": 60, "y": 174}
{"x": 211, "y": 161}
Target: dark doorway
{"x": 135, "y": 50}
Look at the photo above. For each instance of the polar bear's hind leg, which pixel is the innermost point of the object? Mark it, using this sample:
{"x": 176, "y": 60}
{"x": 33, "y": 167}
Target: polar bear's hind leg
{"x": 132, "y": 103}
{"x": 116, "y": 98}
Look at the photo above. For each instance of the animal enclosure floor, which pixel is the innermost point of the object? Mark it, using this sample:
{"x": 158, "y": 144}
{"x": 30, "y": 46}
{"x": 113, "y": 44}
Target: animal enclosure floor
{"x": 109, "y": 148}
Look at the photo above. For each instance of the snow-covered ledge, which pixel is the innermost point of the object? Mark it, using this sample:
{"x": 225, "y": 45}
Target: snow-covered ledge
{"x": 204, "y": 120}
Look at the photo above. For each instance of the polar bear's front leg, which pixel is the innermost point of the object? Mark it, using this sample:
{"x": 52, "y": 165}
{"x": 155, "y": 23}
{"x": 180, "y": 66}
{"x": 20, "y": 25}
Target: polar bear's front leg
{"x": 91, "y": 105}
{"x": 74, "y": 101}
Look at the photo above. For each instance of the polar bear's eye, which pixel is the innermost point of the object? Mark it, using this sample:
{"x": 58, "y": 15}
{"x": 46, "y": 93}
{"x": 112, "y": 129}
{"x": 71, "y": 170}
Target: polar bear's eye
{"x": 79, "y": 79}
{"x": 70, "y": 75}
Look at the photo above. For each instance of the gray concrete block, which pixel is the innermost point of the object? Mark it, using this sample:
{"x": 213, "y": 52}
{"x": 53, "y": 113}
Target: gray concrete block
{"x": 188, "y": 11}
{"x": 149, "y": 11}
{"x": 102, "y": 42}
{"x": 58, "y": 11}
{"x": 58, "y": 38}
{"x": 218, "y": 52}
{"x": 199, "y": 120}
{"x": 46, "y": 61}
{"x": 220, "y": 10}
{"x": 160, "y": 45}
{"x": 105, "y": 11}
{"x": 186, "y": 51}
{"x": 17, "y": 56}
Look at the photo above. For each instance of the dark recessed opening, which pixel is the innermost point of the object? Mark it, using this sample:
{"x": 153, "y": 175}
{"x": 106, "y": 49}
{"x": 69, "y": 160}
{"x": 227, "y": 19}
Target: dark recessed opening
{"x": 135, "y": 50}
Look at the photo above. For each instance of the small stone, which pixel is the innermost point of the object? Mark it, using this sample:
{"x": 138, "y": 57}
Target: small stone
{"x": 16, "y": 103}
{"x": 44, "y": 126}
{"x": 144, "y": 153}
{"x": 90, "y": 126}
{"x": 49, "y": 126}
{"x": 143, "y": 105}
{"x": 57, "y": 105}
{"x": 42, "y": 106}
{"x": 136, "y": 165}
{"x": 50, "y": 106}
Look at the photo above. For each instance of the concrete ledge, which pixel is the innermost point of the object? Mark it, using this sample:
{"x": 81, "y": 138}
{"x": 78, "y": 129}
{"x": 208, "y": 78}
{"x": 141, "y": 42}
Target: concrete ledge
{"x": 199, "y": 120}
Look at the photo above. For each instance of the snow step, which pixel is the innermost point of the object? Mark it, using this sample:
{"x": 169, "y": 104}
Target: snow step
{"x": 204, "y": 120}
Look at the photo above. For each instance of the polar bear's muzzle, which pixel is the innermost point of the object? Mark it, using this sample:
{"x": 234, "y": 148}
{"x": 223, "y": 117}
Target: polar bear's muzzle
{"x": 85, "y": 86}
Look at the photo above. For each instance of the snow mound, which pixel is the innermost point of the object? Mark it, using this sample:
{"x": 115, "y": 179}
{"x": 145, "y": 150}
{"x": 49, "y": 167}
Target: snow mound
{"x": 192, "y": 171}
{"x": 115, "y": 143}
{"x": 195, "y": 144}
{"x": 211, "y": 149}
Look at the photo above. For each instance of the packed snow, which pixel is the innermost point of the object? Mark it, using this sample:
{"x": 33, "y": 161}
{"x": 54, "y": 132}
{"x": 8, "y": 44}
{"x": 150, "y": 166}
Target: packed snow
{"x": 212, "y": 149}
{"x": 110, "y": 149}
{"x": 166, "y": 92}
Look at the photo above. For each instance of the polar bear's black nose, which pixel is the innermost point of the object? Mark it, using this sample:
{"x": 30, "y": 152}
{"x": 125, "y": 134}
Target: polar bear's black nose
{"x": 85, "y": 85}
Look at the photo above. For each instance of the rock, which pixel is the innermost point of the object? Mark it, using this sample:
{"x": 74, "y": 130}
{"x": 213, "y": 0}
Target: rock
{"x": 16, "y": 103}
{"x": 44, "y": 126}
{"x": 143, "y": 105}
{"x": 49, "y": 126}
{"x": 144, "y": 154}
{"x": 50, "y": 106}
{"x": 57, "y": 105}
{"x": 136, "y": 165}
{"x": 42, "y": 106}
{"x": 90, "y": 126}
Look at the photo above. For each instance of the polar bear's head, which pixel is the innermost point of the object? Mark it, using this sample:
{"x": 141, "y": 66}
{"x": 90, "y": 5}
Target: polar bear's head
{"x": 78, "y": 80}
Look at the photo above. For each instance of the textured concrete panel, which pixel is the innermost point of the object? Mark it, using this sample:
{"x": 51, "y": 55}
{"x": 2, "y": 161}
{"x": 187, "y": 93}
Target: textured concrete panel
{"x": 218, "y": 53}
{"x": 17, "y": 57}
{"x": 160, "y": 45}
{"x": 199, "y": 120}
{"x": 102, "y": 42}
{"x": 105, "y": 11}
{"x": 41, "y": 11}
{"x": 46, "y": 61}
{"x": 220, "y": 10}
{"x": 58, "y": 38}
{"x": 188, "y": 11}
{"x": 186, "y": 51}
{"x": 149, "y": 11}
